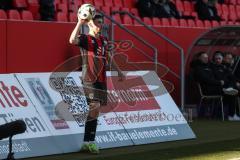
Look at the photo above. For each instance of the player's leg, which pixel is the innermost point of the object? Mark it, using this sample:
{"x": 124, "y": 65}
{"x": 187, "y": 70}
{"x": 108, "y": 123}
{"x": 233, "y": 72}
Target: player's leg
{"x": 91, "y": 123}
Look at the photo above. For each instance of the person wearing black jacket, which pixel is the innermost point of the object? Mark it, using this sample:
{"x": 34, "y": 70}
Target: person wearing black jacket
{"x": 207, "y": 10}
{"x": 204, "y": 74}
{"x": 221, "y": 72}
{"x": 213, "y": 84}
{"x": 6, "y": 4}
{"x": 147, "y": 8}
{"x": 167, "y": 9}
{"x": 232, "y": 66}
{"x": 47, "y": 10}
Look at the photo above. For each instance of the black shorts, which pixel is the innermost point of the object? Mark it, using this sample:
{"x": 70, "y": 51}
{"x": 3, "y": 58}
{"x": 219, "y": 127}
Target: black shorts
{"x": 95, "y": 92}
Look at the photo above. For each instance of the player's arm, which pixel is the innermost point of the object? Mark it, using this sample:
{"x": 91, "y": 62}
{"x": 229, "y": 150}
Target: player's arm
{"x": 74, "y": 35}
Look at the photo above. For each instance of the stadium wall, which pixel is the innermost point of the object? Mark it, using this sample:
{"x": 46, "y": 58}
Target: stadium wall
{"x": 41, "y": 46}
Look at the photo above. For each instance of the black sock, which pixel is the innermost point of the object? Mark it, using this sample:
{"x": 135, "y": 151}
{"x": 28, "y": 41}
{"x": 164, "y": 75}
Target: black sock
{"x": 90, "y": 129}
{"x": 93, "y": 130}
{"x": 87, "y": 131}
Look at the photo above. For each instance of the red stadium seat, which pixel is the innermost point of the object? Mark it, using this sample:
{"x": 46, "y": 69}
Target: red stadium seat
{"x": 127, "y": 20}
{"x": 3, "y": 14}
{"x": 232, "y": 13}
{"x": 148, "y": 21}
{"x": 134, "y": 11}
{"x": 187, "y": 13}
{"x": 234, "y": 2}
{"x": 108, "y": 3}
{"x": 57, "y": 2}
{"x": 115, "y": 9}
{"x": 33, "y": 6}
{"x": 191, "y": 23}
{"x": 106, "y": 10}
{"x": 194, "y": 14}
{"x": 88, "y": 1}
{"x": 187, "y": 6}
{"x": 73, "y": 8}
{"x": 215, "y": 24}
{"x": 98, "y": 3}
{"x": 219, "y": 9}
{"x": 78, "y": 3}
{"x": 183, "y": 23}
{"x": 174, "y": 22}
{"x": 118, "y": 3}
{"x": 199, "y": 23}
{"x": 62, "y": 17}
{"x": 230, "y": 23}
{"x": 238, "y": 11}
{"x": 129, "y": 3}
{"x": 27, "y": 15}
{"x": 179, "y": 5}
{"x": 223, "y": 23}
{"x": 238, "y": 2}
{"x": 156, "y": 21}
{"x": 225, "y": 9}
{"x": 19, "y": 4}
{"x": 72, "y": 17}
{"x": 64, "y": 1}
{"x": 62, "y": 8}
{"x": 207, "y": 24}
{"x": 125, "y": 9}
{"x": 13, "y": 14}
{"x": 237, "y": 23}
{"x": 224, "y": 16}
{"x": 233, "y": 16}
{"x": 165, "y": 22}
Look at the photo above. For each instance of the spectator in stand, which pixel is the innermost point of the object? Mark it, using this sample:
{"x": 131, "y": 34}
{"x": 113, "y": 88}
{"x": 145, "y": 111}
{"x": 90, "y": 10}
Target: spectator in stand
{"x": 221, "y": 72}
{"x": 233, "y": 66}
{"x": 167, "y": 9}
{"x": 5, "y": 4}
{"x": 207, "y": 10}
{"x": 147, "y": 8}
{"x": 221, "y": 1}
{"x": 205, "y": 76}
{"x": 47, "y": 10}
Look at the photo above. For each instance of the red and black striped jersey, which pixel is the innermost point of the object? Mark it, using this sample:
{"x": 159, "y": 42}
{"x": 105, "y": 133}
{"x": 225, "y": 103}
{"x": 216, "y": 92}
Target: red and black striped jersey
{"x": 94, "y": 58}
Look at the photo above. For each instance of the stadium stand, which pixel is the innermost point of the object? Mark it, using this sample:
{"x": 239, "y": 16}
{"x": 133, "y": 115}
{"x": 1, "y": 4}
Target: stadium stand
{"x": 26, "y": 15}
{"x": 3, "y": 14}
{"x": 65, "y": 10}
{"x": 13, "y": 14}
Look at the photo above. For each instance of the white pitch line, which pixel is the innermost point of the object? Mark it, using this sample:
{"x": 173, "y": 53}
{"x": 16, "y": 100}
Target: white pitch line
{"x": 235, "y": 158}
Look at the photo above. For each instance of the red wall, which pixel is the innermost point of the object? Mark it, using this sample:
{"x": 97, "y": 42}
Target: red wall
{"x": 3, "y": 49}
{"x": 43, "y": 46}
{"x": 37, "y": 46}
{"x": 168, "y": 55}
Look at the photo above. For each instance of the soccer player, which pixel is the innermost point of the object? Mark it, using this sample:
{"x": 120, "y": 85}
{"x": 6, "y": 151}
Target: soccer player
{"x": 94, "y": 60}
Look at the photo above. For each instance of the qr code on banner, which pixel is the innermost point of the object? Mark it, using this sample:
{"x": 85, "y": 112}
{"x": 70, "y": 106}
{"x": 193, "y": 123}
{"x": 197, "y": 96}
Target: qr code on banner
{"x": 73, "y": 96}
{"x": 77, "y": 103}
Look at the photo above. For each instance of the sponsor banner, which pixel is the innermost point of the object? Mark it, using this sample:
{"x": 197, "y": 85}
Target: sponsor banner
{"x": 31, "y": 147}
{"x": 15, "y": 104}
{"x": 49, "y": 92}
{"x": 142, "y": 102}
{"x": 46, "y": 92}
{"x": 138, "y": 136}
